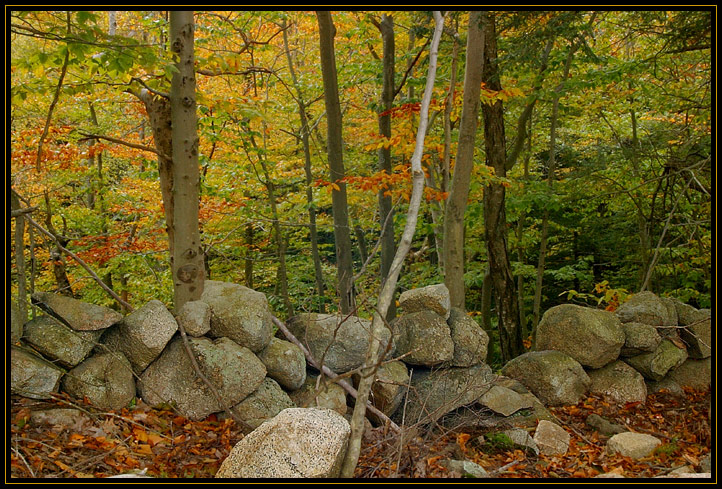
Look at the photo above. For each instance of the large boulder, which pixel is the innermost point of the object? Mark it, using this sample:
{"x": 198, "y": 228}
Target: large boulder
{"x": 32, "y": 376}
{"x": 656, "y": 364}
{"x": 592, "y": 337}
{"x": 298, "y": 443}
{"x": 263, "y": 404}
{"x": 142, "y": 334}
{"x": 434, "y": 393}
{"x": 284, "y": 363}
{"x": 238, "y": 313}
{"x": 431, "y": 298}
{"x": 554, "y": 377}
{"x": 233, "y": 370}
{"x": 106, "y": 380}
{"x": 646, "y": 307}
{"x": 693, "y": 373}
{"x": 639, "y": 338}
{"x": 620, "y": 382}
{"x": 423, "y": 338}
{"x": 340, "y": 341}
{"x": 320, "y": 394}
{"x": 16, "y": 325}
{"x": 79, "y": 315}
{"x": 195, "y": 317}
{"x": 58, "y": 342}
{"x": 471, "y": 342}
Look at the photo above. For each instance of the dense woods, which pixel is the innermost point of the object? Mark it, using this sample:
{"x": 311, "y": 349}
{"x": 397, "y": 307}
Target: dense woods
{"x": 559, "y": 157}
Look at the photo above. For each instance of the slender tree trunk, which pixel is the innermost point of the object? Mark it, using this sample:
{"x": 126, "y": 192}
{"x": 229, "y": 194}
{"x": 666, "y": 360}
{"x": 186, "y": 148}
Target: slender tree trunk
{"x": 550, "y": 181}
{"x": 495, "y": 207}
{"x": 389, "y": 286}
{"x": 457, "y": 200}
{"x": 248, "y": 262}
{"x": 334, "y": 143}
{"x": 520, "y": 236}
{"x": 56, "y": 97}
{"x": 388, "y": 244}
{"x": 22, "y": 301}
{"x": 313, "y": 231}
{"x": 187, "y": 265}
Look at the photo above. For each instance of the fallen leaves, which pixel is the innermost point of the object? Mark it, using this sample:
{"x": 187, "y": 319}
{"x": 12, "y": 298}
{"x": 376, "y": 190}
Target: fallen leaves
{"x": 165, "y": 444}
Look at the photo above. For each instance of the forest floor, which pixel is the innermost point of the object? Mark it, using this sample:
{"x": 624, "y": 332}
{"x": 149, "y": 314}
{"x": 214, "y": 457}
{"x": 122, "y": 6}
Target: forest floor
{"x": 167, "y": 445}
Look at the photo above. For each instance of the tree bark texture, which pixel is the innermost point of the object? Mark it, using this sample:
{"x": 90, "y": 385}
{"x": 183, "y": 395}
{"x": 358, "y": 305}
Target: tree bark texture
{"x": 334, "y": 142}
{"x": 387, "y": 290}
{"x": 388, "y": 243}
{"x": 495, "y": 226}
{"x": 187, "y": 265}
{"x": 459, "y": 194}
{"x": 305, "y": 140}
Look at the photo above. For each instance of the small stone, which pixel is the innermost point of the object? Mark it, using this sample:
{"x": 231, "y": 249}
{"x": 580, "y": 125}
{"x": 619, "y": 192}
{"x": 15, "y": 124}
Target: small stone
{"x": 504, "y": 401}
{"x": 634, "y": 445}
{"x": 551, "y": 438}
{"x": 466, "y": 468}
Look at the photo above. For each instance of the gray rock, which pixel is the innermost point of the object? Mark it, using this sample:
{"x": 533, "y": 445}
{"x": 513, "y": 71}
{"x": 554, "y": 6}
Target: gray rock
{"x": 686, "y": 314}
{"x": 634, "y": 445}
{"x": 665, "y": 384}
{"x": 554, "y": 377}
{"x": 693, "y": 373}
{"x": 32, "y": 376}
{"x": 58, "y": 342}
{"x": 471, "y": 342}
{"x": 63, "y": 418}
{"x": 195, "y": 316}
{"x": 424, "y": 338}
{"x": 434, "y": 393}
{"x": 656, "y": 364}
{"x": 620, "y": 382}
{"x": 16, "y": 325}
{"x": 466, "y": 468}
{"x": 604, "y": 426}
{"x": 106, "y": 380}
{"x": 609, "y": 475}
{"x": 342, "y": 342}
{"x": 234, "y": 371}
{"x": 590, "y": 336}
{"x": 328, "y": 395}
{"x": 79, "y": 315}
{"x": 551, "y": 438}
{"x": 298, "y": 443}
{"x": 521, "y": 438}
{"x": 504, "y": 401}
{"x": 697, "y": 334}
{"x": 389, "y": 387}
{"x": 263, "y": 404}
{"x": 639, "y": 338}
{"x": 238, "y": 313}
{"x": 430, "y": 298}
{"x": 284, "y": 363}
{"x": 142, "y": 334}
{"x": 646, "y": 307}
{"x": 706, "y": 463}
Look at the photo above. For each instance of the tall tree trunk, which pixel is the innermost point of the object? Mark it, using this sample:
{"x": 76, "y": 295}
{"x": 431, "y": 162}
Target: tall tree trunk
{"x": 305, "y": 136}
{"x": 188, "y": 268}
{"x": 495, "y": 207}
{"x": 248, "y": 261}
{"x": 386, "y": 218}
{"x": 550, "y": 182}
{"x": 334, "y": 143}
{"x": 459, "y": 194}
{"x": 386, "y": 295}
{"x": 22, "y": 300}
